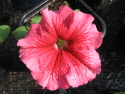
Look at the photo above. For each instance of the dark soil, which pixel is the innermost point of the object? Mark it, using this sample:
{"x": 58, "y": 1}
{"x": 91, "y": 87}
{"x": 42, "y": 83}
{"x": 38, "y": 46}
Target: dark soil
{"x": 112, "y": 51}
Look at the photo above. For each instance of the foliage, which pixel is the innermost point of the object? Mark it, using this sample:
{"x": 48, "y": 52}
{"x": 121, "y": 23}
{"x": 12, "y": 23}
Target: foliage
{"x": 20, "y": 32}
{"x": 76, "y": 10}
{"x": 4, "y": 32}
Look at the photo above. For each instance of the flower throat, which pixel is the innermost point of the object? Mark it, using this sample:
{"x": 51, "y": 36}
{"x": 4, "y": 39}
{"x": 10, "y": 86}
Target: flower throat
{"x": 61, "y": 43}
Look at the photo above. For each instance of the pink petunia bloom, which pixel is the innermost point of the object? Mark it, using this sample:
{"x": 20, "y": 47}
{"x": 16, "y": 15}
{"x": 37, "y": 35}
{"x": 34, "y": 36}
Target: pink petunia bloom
{"x": 60, "y": 50}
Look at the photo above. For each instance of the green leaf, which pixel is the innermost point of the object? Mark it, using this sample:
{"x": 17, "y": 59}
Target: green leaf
{"x": 36, "y": 19}
{"x": 120, "y": 93}
{"x": 4, "y": 32}
{"x": 76, "y": 10}
{"x": 20, "y": 32}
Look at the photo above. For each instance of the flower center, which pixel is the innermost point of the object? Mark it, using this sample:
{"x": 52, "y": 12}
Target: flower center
{"x": 61, "y": 43}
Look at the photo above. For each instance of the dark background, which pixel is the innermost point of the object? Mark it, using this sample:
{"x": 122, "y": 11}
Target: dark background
{"x": 112, "y": 51}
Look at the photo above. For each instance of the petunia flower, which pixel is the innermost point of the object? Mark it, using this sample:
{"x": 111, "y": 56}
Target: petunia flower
{"x": 60, "y": 50}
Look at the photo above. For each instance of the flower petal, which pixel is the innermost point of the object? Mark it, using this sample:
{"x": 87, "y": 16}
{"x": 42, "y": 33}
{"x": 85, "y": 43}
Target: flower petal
{"x": 37, "y": 59}
{"x": 55, "y": 83}
{"x": 60, "y": 69}
{"x": 79, "y": 73}
{"x": 79, "y": 23}
{"x": 96, "y": 37}
{"x": 86, "y": 54}
{"x": 89, "y": 37}
{"x": 69, "y": 71}
{"x": 56, "y": 21}
{"x": 52, "y": 76}
{"x": 41, "y": 78}
{"x": 46, "y": 67}
{"x": 36, "y": 37}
